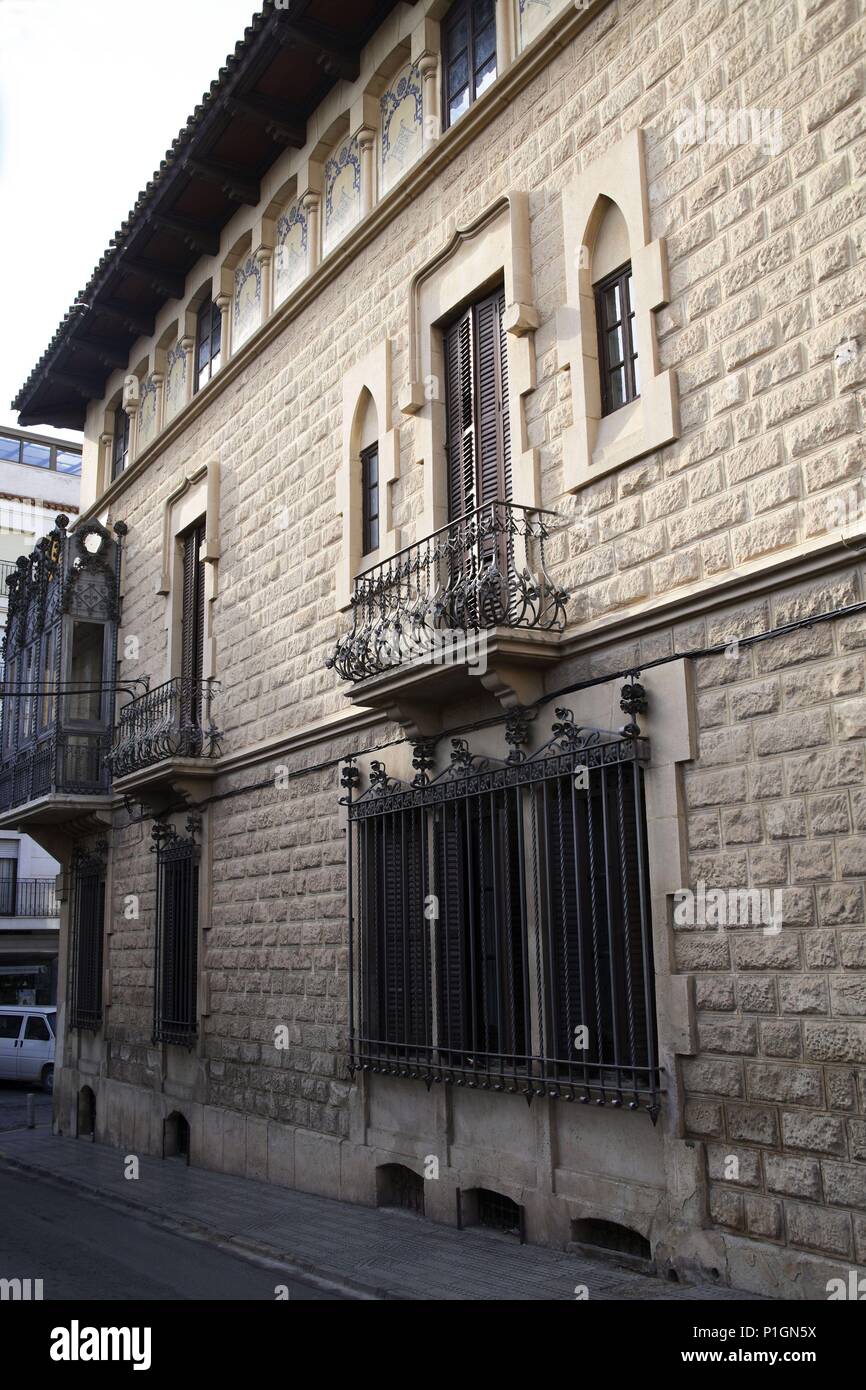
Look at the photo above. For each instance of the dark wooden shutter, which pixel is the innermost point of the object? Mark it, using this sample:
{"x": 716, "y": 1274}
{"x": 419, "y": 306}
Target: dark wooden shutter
{"x": 192, "y": 620}
{"x": 494, "y": 443}
{"x": 478, "y": 444}
{"x": 454, "y": 971}
{"x": 460, "y": 412}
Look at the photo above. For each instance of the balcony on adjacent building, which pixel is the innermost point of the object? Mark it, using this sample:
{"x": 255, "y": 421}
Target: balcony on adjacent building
{"x": 29, "y": 897}
{"x": 475, "y": 598}
{"x": 166, "y": 742}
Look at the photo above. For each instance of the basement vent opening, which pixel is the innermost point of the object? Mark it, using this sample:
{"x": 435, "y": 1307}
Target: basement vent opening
{"x": 398, "y": 1186}
{"x": 86, "y": 1113}
{"x": 609, "y": 1235}
{"x": 176, "y": 1137}
{"x": 498, "y": 1213}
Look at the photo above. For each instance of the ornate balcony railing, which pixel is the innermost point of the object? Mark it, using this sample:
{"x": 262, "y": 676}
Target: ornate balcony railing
{"x": 29, "y": 897}
{"x": 484, "y": 571}
{"x": 62, "y": 764}
{"x": 173, "y": 721}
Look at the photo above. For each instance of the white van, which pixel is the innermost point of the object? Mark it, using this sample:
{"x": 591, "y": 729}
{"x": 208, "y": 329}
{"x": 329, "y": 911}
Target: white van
{"x": 27, "y": 1043}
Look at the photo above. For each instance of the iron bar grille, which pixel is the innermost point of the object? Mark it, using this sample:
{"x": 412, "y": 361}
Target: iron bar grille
{"x": 86, "y": 942}
{"x": 487, "y": 570}
{"x": 28, "y": 897}
{"x": 65, "y": 764}
{"x": 173, "y": 721}
{"x": 498, "y": 910}
{"x": 175, "y": 1013}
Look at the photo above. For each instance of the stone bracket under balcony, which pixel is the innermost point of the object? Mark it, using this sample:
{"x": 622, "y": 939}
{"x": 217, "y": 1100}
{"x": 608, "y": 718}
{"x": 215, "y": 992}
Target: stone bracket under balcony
{"x": 59, "y": 821}
{"x": 165, "y": 783}
{"x": 498, "y": 668}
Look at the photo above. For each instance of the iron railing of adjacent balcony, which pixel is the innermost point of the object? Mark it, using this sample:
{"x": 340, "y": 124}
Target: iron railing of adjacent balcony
{"x": 173, "y": 721}
{"x": 28, "y": 897}
{"x": 487, "y": 570}
{"x": 62, "y": 764}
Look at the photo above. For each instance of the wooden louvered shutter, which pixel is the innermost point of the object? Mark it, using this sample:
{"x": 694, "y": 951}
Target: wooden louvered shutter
{"x": 494, "y": 442}
{"x": 460, "y": 418}
{"x": 192, "y": 629}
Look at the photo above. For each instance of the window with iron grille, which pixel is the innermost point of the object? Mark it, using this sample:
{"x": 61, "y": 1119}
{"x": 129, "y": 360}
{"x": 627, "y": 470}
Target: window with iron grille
{"x": 500, "y": 922}
{"x": 468, "y": 54}
{"x": 87, "y": 919}
{"x": 617, "y": 347}
{"x": 208, "y": 343}
{"x": 370, "y": 492}
{"x": 175, "y": 1014}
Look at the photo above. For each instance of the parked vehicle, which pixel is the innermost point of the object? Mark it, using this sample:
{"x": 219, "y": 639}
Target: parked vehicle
{"x": 27, "y": 1044}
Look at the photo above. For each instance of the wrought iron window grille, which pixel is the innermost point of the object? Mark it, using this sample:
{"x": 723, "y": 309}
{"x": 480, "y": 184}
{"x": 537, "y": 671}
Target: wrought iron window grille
{"x": 487, "y": 570}
{"x": 499, "y": 919}
{"x": 86, "y": 937}
{"x": 175, "y": 1000}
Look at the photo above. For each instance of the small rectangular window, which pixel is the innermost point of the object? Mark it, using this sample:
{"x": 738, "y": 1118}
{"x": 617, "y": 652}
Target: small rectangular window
{"x": 468, "y": 54}
{"x": 67, "y": 462}
{"x": 617, "y": 347}
{"x": 37, "y": 455}
{"x": 10, "y": 449}
{"x": 370, "y": 485}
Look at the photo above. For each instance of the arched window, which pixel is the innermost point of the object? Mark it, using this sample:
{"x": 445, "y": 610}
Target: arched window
{"x": 613, "y": 293}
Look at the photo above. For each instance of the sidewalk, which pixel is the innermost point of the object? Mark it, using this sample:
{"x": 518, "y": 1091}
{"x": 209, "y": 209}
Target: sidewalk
{"x": 361, "y": 1250}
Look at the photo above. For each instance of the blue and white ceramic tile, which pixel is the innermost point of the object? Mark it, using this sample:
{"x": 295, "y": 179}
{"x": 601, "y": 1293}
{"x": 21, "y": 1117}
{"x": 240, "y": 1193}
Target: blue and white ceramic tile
{"x": 290, "y": 256}
{"x": 147, "y": 414}
{"x": 534, "y": 15}
{"x": 175, "y": 381}
{"x": 402, "y": 117}
{"x": 342, "y": 192}
{"x": 248, "y": 301}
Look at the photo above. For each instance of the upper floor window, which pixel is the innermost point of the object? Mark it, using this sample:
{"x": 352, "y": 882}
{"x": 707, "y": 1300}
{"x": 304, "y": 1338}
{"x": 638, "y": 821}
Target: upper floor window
{"x": 18, "y": 449}
{"x": 617, "y": 349}
{"x": 370, "y": 488}
{"x": 208, "y": 343}
{"x": 469, "y": 54}
{"x": 120, "y": 447}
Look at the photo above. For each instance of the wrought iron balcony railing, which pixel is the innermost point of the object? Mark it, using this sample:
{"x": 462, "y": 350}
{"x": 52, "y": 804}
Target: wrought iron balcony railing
{"x": 486, "y": 570}
{"x": 173, "y": 721}
{"x": 28, "y": 897}
{"x": 62, "y": 764}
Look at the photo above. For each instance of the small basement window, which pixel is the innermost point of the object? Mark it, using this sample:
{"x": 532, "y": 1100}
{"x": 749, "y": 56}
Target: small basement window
{"x": 401, "y": 1187}
{"x": 498, "y": 1213}
{"x": 610, "y": 1235}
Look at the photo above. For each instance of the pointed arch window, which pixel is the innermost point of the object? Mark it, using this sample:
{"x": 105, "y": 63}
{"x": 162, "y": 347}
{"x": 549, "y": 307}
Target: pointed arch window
{"x": 617, "y": 342}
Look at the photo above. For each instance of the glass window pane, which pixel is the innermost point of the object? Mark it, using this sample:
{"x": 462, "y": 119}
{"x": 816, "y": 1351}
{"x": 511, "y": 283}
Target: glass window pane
{"x": 483, "y": 11}
{"x": 37, "y": 455}
{"x": 85, "y": 698}
{"x": 10, "y": 449}
{"x": 484, "y": 76}
{"x": 68, "y": 462}
{"x": 458, "y": 74}
{"x": 637, "y": 375}
{"x": 614, "y": 348}
{"x": 612, "y": 305}
{"x": 458, "y": 36}
{"x": 37, "y": 1029}
{"x": 485, "y": 45}
{"x": 458, "y": 105}
{"x": 628, "y": 294}
{"x": 617, "y": 388}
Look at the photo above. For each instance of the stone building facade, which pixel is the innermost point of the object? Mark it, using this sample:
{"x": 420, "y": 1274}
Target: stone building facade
{"x": 703, "y": 570}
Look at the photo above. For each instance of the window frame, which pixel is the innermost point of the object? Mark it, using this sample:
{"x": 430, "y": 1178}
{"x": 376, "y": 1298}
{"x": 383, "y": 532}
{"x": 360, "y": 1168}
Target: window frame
{"x": 370, "y": 489}
{"x": 463, "y": 9}
{"x": 620, "y": 279}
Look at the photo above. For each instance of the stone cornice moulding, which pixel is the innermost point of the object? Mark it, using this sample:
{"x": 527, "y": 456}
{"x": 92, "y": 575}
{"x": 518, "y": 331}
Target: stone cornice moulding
{"x": 522, "y": 72}
{"x": 595, "y": 444}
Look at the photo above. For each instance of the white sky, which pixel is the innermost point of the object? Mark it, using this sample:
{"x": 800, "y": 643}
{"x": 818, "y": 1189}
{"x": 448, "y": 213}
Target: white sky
{"x": 92, "y": 93}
